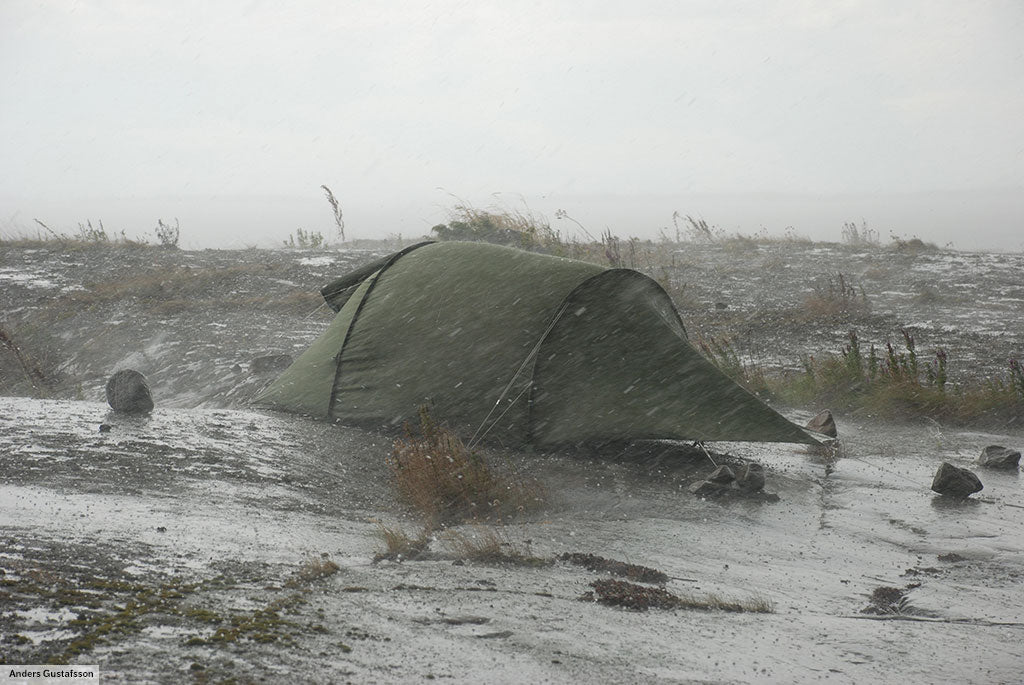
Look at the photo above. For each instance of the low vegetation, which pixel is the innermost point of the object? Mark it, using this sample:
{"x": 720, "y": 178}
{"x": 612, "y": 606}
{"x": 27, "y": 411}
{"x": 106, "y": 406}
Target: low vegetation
{"x": 175, "y": 289}
{"x": 515, "y": 228}
{"x": 400, "y": 546}
{"x": 312, "y": 569}
{"x": 839, "y": 296}
{"x": 31, "y": 369}
{"x": 892, "y": 601}
{"x": 87, "y": 235}
{"x": 884, "y": 380}
{"x": 306, "y": 240}
{"x": 860, "y": 236}
{"x": 438, "y": 476}
{"x": 168, "y": 235}
{"x": 110, "y": 609}
{"x": 339, "y": 215}
{"x": 489, "y": 545}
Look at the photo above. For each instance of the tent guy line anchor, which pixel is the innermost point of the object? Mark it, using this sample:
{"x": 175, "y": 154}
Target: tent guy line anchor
{"x": 703, "y": 447}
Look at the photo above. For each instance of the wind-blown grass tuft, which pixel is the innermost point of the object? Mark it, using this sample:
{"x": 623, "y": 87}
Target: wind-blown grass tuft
{"x": 436, "y": 474}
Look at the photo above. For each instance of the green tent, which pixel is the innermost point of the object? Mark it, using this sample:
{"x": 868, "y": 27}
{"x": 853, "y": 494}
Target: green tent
{"x": 516, "y": 348}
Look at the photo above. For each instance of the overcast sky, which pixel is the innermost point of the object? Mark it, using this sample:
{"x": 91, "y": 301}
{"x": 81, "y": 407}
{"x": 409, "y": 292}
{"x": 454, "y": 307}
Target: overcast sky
{"x": 230, "y": 115}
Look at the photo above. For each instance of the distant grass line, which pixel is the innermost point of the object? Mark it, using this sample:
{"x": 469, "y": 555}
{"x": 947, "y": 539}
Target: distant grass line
{"x": 87, "y": 237}
{"x": 176, "y": 289}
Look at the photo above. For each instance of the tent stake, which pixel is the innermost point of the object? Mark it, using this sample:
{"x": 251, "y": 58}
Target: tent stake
{"x": 704, "y": 449}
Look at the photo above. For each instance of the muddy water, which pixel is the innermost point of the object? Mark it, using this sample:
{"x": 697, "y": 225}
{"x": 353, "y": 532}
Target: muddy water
{"x": 224, "y": 507}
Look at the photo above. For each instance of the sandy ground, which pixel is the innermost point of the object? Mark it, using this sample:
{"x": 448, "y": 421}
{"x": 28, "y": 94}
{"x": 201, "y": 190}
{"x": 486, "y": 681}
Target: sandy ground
{"x": 164, "y": 530}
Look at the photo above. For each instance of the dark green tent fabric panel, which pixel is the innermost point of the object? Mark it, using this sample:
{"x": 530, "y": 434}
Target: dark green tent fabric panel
{"x": 449, "y": 324}
{"x": 305, "y": 386}
{"x": 617, "y": 366}
{"x": 337, "y": 292}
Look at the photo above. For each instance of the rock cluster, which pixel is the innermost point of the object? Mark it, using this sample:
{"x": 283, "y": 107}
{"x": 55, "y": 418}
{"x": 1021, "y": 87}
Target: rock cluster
{"x": 747, "y": 479}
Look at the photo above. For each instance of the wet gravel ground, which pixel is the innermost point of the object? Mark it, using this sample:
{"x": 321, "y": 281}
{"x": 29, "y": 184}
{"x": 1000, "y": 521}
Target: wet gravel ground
{"x": 970, "y": 304}
{"x": 190, "y": 546}
{"x": 184, "y": 548}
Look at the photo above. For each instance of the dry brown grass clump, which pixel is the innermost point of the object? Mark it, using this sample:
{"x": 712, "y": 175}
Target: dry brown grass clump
{"x": 445, "y": 481}
{"x": 177, "y": 283}
{"x": 839, "y": 297}
{"x": 40, "y": 382}
{"x": 176, "y": 289}
{"x": 641, "y": 574}
{"x": 641, "y": 598}
{"x": 487, "y": 546}
{"x": 400, "y": 546}
{"x": 314, "y": 568}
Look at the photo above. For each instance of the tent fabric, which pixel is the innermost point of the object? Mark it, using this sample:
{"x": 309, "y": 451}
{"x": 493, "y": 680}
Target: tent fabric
{"x": 519, "y": 348}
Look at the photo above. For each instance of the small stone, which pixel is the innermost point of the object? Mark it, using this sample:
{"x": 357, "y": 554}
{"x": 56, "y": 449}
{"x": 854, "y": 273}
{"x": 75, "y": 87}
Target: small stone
{"x": 723, "y": 474}
{"x": 105, "y": 427}
{"x": 955, "y": 481}
{"x": 751, "y": 477}
{"x": 999, "y": 457}
{"x": 128, "y": 392}
{"x": 823, "y": 423}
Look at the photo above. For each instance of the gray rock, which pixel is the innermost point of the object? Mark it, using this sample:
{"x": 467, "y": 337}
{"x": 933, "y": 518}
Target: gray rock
{"x": 955, "y": 482}
{"x": 270, "y": 362}
{"x": 823, "y": 423}
{"x": 128, "y": 392}
{"x": 999, "y": 457}
{"x": 723, "y": 475}
{"x": 751, "y": 477}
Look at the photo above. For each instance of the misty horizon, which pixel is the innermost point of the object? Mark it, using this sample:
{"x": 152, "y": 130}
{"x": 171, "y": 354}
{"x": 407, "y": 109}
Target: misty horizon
{"x": 754, "y": 117}
{"x": 964, "y": 220}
